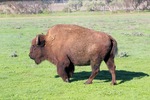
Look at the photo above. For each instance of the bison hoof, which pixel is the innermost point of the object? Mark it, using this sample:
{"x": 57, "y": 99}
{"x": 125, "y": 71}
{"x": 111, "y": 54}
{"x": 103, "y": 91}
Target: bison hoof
{"x": 67, "y": 80}
{"x": 87, "y": 82}
{"x": 113, "y": 83}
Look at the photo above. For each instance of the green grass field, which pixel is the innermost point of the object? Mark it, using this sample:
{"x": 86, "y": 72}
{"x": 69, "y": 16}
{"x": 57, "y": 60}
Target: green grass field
{"x": 21, "y": 78}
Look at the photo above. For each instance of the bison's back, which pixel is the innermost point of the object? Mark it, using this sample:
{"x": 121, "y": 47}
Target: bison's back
{"x": 80, "y": 44}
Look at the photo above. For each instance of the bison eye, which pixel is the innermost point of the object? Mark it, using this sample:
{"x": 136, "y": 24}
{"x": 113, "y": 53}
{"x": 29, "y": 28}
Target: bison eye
{"x": 33, "y": 47}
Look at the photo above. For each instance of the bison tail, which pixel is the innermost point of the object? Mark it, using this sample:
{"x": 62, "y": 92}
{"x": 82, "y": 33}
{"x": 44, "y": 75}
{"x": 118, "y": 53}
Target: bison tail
{"x": 114, "y": 50}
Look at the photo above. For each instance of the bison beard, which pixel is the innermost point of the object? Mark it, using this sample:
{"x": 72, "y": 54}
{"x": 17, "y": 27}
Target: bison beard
{"x": 37, "y": 61}
{"x": 70, "y": 45}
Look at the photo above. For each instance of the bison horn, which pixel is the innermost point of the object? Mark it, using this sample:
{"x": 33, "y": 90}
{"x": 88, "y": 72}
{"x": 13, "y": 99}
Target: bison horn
{"x": 40, "y": 40}
{"x": 37, "y": 40}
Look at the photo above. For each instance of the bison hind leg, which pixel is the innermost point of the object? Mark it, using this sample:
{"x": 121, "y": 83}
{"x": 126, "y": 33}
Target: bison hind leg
{"x": 95, "y": 65}
{"x": 111, "y": 66}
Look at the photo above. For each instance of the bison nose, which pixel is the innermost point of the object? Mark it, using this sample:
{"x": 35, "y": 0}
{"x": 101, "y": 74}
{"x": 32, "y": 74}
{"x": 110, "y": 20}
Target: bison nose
{"x": 30, "y": 56}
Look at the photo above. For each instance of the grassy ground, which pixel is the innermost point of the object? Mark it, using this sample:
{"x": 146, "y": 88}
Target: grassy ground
{"x": 20, "y": 78}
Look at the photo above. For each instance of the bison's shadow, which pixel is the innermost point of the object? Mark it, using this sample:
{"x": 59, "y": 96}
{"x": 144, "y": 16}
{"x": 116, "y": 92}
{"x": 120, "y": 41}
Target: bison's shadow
{"x": 122, "y": 75}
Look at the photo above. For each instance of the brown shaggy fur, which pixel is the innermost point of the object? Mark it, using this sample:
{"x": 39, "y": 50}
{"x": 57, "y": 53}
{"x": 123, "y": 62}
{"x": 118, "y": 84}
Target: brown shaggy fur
{"x": 70, "y": 45}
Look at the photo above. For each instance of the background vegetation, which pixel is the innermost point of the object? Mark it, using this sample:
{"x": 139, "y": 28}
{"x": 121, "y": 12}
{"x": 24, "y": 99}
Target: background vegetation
{"x": 49, "y": 6}
{"x": 21, "y": 78}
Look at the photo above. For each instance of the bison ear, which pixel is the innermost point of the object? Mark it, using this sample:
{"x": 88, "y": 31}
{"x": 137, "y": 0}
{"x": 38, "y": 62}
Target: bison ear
{"x": 40, "y": 40}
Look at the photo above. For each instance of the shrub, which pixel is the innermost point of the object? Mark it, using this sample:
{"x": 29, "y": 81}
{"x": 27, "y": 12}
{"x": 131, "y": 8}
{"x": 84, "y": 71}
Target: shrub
{"x": 74, "y": 5}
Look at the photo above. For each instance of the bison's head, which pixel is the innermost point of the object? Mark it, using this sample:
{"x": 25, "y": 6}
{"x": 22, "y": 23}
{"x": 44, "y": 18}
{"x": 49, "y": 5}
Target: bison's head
{"x": 37, "y": 49}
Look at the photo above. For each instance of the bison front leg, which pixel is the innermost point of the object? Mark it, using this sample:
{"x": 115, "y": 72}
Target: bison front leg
{"x": 70, "y": 70}
{"x": 62, "y": 73}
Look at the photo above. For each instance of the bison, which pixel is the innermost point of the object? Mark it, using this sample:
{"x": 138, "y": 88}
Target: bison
{"x": 67, "y": 45}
